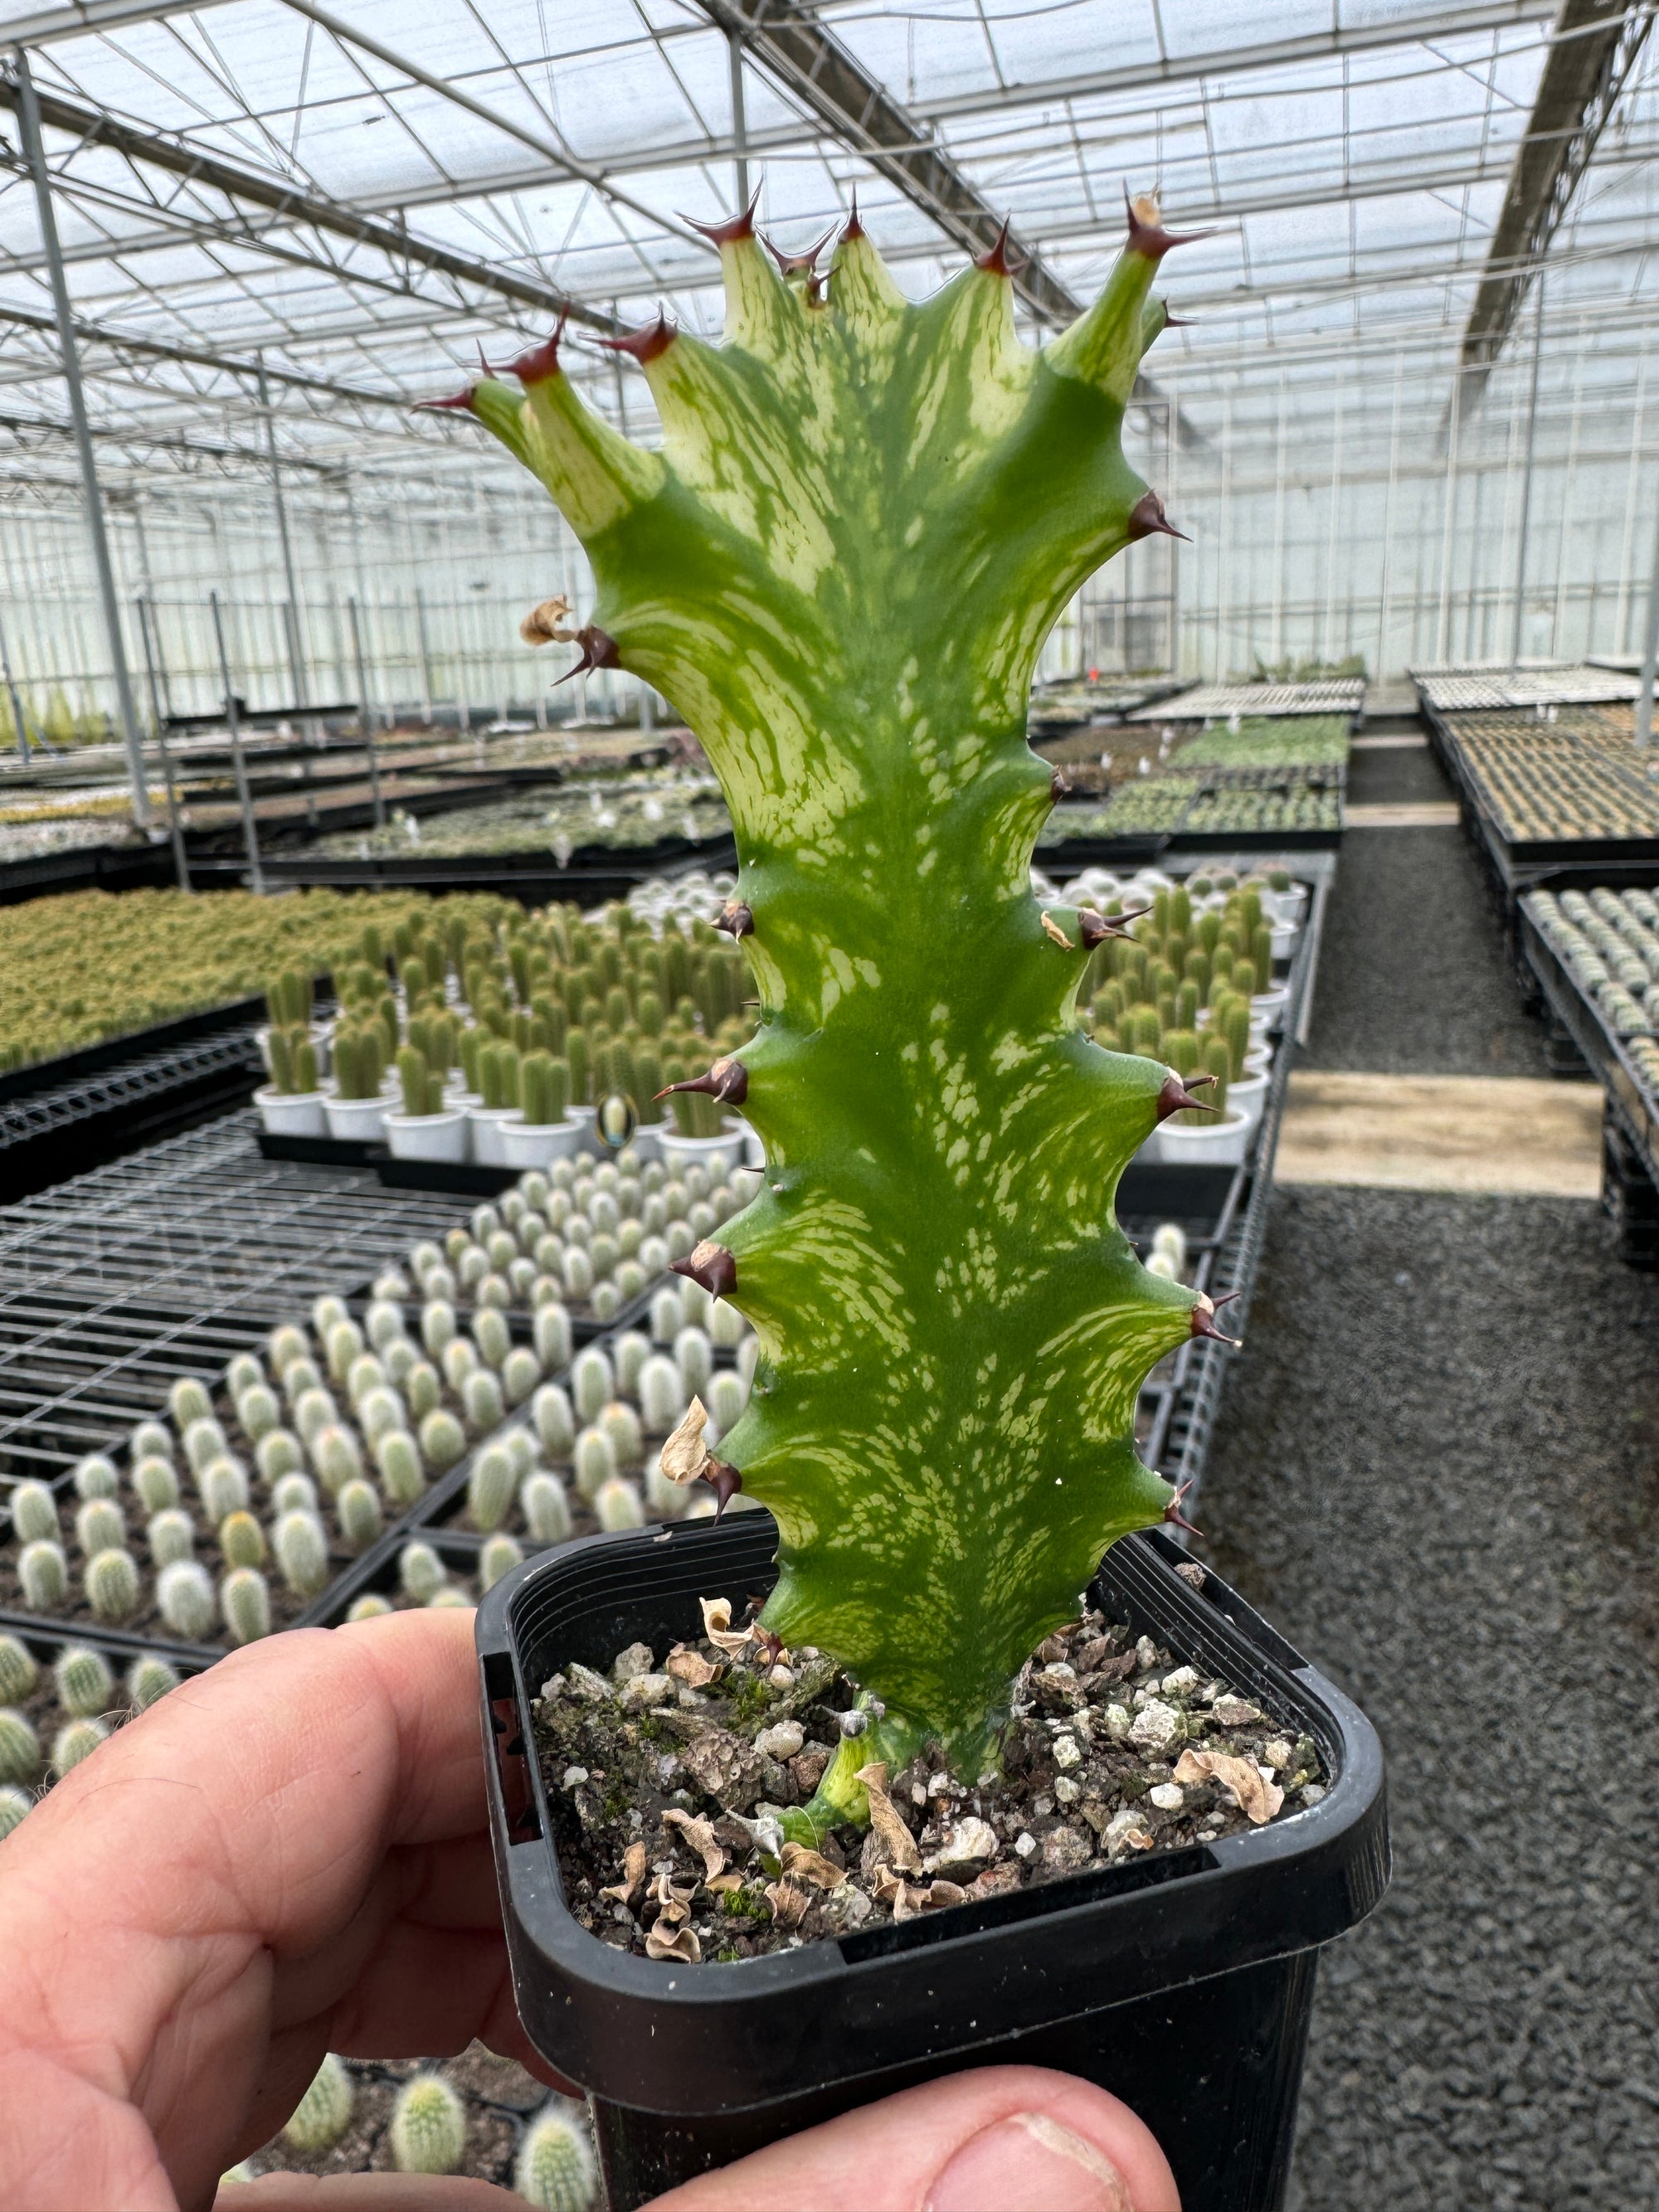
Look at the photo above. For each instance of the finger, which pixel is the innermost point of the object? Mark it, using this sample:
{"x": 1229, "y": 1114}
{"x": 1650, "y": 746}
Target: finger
{"x": 1001, "y": 2139}
{"x": 364, "y": 2192}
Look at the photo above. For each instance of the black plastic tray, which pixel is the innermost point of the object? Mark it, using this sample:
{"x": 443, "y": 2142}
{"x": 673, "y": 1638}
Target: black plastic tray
{"x": 1183, "y": 1981}
{"x": 90, "y": 1060}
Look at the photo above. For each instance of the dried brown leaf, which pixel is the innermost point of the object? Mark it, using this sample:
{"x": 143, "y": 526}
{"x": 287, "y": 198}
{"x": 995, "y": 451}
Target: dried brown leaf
{"x": 636, "y": 1860}
{"x": 1257, "y": 1798}
{"x": 788, "y": 1903}
{"x": 811, "y": 1866}
{"x": 717, "y": 1625}
{"x": 684, "y": 1456}
{"x": 682, "y": 1946}
{"x": 1051, "y": 930}
{"x": 897, "y": 1839}
{"x": 700, "y": 1837}
{"x": 544, "y": 624}
{"x": 690, "y": 1668}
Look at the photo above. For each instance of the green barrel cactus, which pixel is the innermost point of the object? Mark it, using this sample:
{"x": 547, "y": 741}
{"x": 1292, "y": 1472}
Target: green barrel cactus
{"x": 864, "y": 520}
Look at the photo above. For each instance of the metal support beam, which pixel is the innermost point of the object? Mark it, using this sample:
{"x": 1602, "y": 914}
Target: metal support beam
{"x": 1649, "y": 654}
{"x": 151, "y": 634}
{"x": 305, "y": 208}
{"x": 1594, "y": 43}
{"x": 28, "y": 117}
{"x": 739, "y": 123}
{"x": 1518, "y": 636}
{"x": 296, "y": 658}
{"x": 234, "y": 724}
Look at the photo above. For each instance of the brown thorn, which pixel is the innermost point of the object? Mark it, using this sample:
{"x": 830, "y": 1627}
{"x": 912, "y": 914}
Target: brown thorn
{"x": 648, "y": 344}
{"x": 1059, "y": 786}
{"x": 736, "y": 918}
{"x": 461, "y": 403}
{"x": 1176, "y": 322}
{"x": 1202, "y": 1324}
{"x": 726, "y": 1080}
{"x": 1146, "y": 232}
{"x": 541, "y": 361}
{"x": 1173, "y": 1513}
{"x": 736, "y": 227}
{"x": 599, "y": 651}
{"x": 994, "y": 262}
{"x": 1095, "y": 928}
{"x": 770, "y": 1644}
{"x": 1146, "y": 517}
{"x": 710, "y": 1265}
{"x": 796, "y": 264}
{"x": 1176, "y": 1098}
{"x": 853, "y": 228}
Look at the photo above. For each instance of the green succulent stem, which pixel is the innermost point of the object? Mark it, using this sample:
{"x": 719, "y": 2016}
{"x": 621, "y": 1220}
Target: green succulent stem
{"x": 864, "y": 520}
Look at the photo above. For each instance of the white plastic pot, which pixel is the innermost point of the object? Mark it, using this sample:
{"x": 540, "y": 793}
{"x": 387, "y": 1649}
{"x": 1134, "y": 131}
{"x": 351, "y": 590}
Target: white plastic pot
{"x": 1284, "y": 935}
{"x": 1249, "y": 1096}
{"x": 1258, "y": 1059}
{"x": 724, "y": 1150}
{"x": 489, "y": 1149}
{"x": 293, "y": 1113}
{"x": 1265, "y": 1006}
{"x": 1221, "y": 1142}
{"x": 355, "y": 1121}
{"x": 647, "y": 1140}
{"x": 428, "y": 1136}
{"x": 584, "y": 1117}
{"x": 537, "y": 1144}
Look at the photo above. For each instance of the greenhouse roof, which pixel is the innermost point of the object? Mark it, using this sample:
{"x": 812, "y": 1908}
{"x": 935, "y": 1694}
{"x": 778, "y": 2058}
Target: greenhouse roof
{"x": 359, "y": 202}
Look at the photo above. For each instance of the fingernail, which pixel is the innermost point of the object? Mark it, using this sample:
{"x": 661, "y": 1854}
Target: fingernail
{"x": 1029, "y": 2163}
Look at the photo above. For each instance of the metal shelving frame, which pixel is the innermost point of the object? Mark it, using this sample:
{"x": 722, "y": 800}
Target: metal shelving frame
{"x": 165, "y": 1264}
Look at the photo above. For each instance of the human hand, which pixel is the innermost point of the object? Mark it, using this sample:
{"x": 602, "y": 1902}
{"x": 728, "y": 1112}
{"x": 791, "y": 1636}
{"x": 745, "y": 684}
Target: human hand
{"x": 287, "y": 1855}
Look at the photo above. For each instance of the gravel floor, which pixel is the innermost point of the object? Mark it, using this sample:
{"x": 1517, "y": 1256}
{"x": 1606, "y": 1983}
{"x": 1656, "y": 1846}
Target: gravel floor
{"x": 1413, "y": 976}
{"x": 1436, "y": 1472}
{"x": 1396, "y": 775}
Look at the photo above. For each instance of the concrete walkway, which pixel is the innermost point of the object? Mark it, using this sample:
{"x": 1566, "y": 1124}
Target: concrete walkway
{"x": 1516, "y": 1133}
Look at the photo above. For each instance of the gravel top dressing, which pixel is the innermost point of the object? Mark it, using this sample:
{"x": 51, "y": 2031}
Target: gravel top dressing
{"x": 665, "y": 1780}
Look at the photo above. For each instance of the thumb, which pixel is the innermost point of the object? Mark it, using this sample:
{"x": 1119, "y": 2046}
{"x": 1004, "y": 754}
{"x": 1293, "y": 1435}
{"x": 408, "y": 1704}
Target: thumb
{"x": 1001, "y": 2139}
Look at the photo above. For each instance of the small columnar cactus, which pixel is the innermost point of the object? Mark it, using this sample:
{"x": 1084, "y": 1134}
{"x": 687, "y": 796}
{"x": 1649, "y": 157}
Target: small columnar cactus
{"x": 76, "y": 1741}
{"x": 149, "y": 1680}
{"x": 112, "y": 1583}
{"x": 358, "y": 1509}
{"x": 257, "y": 1411}
{"x": 592, "y": 1385}
{"x": 423, "y": 1390}
{"x": 620, "y": 1425}
{"x": 185, "y": 1598}
{"x": 15, "y": 1806}
{"x": 302, "y": 1549}
{"x": 204, "y": 1441}
{"x": 20, "y": 1747}
{"x": 171, "y": 1536}
{"x": 401, "y": 1355}
{"x": 245, "y": 1601}
{"x": 497, "y": 1556}
{"x": 95, "y": 1476}
{"x": 628, "y": 1356}
{"x": 379, "y": 1413}
{"x": 147, "y": 1437}
{"x": 863, "y": 521}
{"x": 421, "y": 1572}
{"x": 285, "y": 1345}
{"x": 242, "y": 1373}
{"x": 481, "y": 1402}
{"x": 397, "y": 1457}
{"x": 34, "y": 1513}
{"x": 369, "y": 1607}
{"x": 223, "y": 1486}
{"x": 667, "y": 1315}
{"x": 84, "y": 1682}
{"x": 550, "y": 1332}
{"x": 97, "y": 1525}
{"x": 520, "y": 1372}
{"x": 492, "y": 1336}
{"x": 315, "y": 1410}
{"x": 442, "y": 1439}
{"x": 335, "y": 1456}
{"x": 438, "y": 1327}
{"x": 554, "y": 1421}
{"x": 727, "y": 1399}
{"x": 491, "y": 1483}
{"x": 545, "y": 1508}
{"x": 616, "y": 1505}
{"x": 298, "y": 1377}
{"x": 241, "y": 1540}
{"x": 187, "y": 1401}
{"x": 18, "y": 1671}
{"x": 384, "y": 1320}
{"x": 694, "y": 1357}
{"x": 555, "y": 2170}
{"x": 367, "y": 1372}
{"x": 593, "y": 1461}
{"x": 428, "y": 2133}
{"x": 324, "y": 1312}
{"x": 343, "y": 1345}
{"x": 155, "y": 1483}
{"x": 43, "y": 1574}
{"x": 458, "y": 1359}
{"x": 293, "y": 1494}
{"x": 277, "y": 1453}
{"x": 323, "y": 2113}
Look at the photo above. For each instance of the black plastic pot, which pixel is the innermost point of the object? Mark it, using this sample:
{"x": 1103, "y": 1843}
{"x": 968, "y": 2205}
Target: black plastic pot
{"x": 1181, "y": 1981}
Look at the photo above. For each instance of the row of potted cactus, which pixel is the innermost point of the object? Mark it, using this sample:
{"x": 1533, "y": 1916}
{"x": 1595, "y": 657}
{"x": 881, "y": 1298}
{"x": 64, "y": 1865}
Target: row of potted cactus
{"x": 507, "y": 1046}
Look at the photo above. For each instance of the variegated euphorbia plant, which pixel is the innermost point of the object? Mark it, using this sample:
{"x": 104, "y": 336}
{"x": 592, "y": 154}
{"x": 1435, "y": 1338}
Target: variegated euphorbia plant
{"x": 864, "y": 518}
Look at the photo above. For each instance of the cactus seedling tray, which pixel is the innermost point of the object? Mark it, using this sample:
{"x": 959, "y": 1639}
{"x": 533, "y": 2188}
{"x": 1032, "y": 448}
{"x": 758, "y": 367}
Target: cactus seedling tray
{"x": 109, "y": 1052}
{"x": 1146, "y": 1977}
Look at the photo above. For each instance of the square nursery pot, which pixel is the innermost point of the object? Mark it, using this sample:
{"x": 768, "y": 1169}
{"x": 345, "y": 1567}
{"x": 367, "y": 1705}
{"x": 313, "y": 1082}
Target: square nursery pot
{"x": 1183, "y": 1981}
